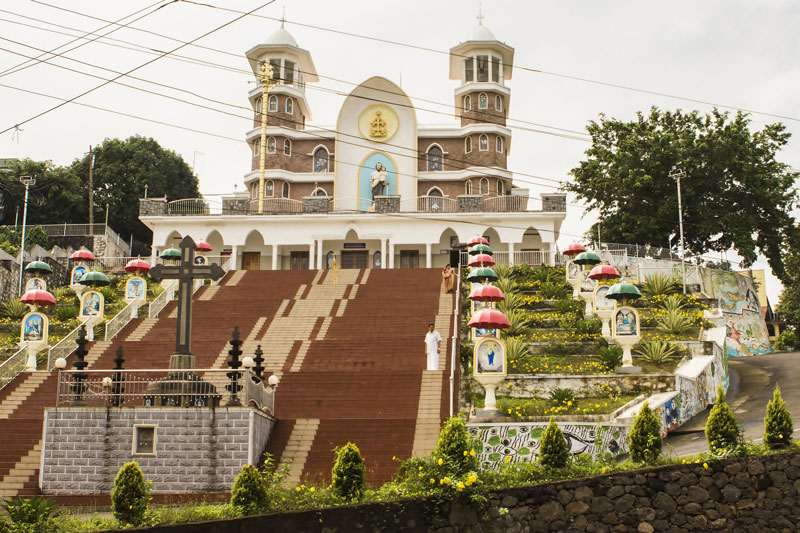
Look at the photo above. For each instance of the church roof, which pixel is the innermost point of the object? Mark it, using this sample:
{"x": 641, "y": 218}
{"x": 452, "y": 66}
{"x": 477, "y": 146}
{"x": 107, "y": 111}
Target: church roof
{"x": 281, "y": 37}
{"x": 481, "y": 33}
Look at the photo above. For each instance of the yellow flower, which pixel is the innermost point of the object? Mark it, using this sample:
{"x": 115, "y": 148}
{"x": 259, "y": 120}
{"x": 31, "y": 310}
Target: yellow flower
{"x": 472, "y": 452}
{"x": 297, "y": 489}
{"x": 433, "y": 481}
{"x": 131, "y": 507}
{"x": 508, "y": 459}
{"x": 440, "y": 462}
{"x": 394, "y": 458}
{"x": 780, "y": 436}
{"x": 312, "y": 489}
{"x": 460, "y": 486}
{"x": 705, "y": 465}
{"x": 473, "y": 478}
{"x": 420, "y": 468}
{"x": 420, "y": 474}
{"x": 604, "y": 469}
{"x": 466, "y": 453}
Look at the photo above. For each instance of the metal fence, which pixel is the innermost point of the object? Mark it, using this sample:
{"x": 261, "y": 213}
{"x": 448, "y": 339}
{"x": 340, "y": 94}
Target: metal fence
{"x": 161, "y": 301}
{"x": 188, "y": 206}
{"x": 13, "y": 366}
{"x": 163, "y": 388}
{"x": 277, "y": 206}
{"x": 430, "y": 204}
{"x": 637, "y": 250}
{"x": 532, "y": 258}
{"x": 128, "y": 313}
{"x": 64, "y": 347}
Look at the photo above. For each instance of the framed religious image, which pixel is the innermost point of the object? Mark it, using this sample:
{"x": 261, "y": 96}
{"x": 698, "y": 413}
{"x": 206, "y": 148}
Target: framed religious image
{"x": 573, "y": 271}
{"x": 477, "y": 333}
{"x": 626, "y": 322}
{"x": 587, "y": 284}
{"x": 77, "y": 274}
{"x": 490, "y": 356}
{"x": 36, "y": 284}
{"x": 34, "y": 328}
{"x": 91, "y": 304}
{"x": 601, "y": 303}
{"x": 453, "y": 241}
{"x": 199, "y": 260}
{"x": 135, "y": 288}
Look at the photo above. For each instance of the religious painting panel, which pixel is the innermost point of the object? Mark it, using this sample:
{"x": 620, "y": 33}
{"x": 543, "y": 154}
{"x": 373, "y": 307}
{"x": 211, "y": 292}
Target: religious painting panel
{"x": 36, "y": 284}
{"x": 586, "y": 283}
{"x": 77, "y": 273}
{"x": 34, "y": 328}
{"x": 490, "y": 357}
{"x": 92, "y": 304}
{"x": 135, "y": 288}
{"x": 573, "y": 271}
{"x": 601, "y": 303}
{"x": 626, "y": 322}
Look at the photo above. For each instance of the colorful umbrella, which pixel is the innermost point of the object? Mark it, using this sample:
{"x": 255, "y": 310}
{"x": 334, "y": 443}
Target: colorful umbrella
{"x": 202, "y": 246}
{"x": 604, "y": 272}
{"x": 587, "y": 258}
{"x": 574, "y": 249}
{"x": 486, "y": 293}
{"x": 481, "y": 260}
{"x": 95, "y": 279}
{"x": 82, "y": 255}
{"x": 38, "y": 297}
{"x": 481, "y": 274}
{"x": 137, "y": 266}
{"x": 480, "y": 249}
{"x": 489, "y": 319}
{"x": 477, "y": 239}
{"x": 623, "y": 291}
{"x": 38, "y": 267}
{"x": 171, "y": 253}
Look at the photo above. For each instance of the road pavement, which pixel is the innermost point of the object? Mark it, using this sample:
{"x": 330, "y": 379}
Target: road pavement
{"x": 752, "y": 380}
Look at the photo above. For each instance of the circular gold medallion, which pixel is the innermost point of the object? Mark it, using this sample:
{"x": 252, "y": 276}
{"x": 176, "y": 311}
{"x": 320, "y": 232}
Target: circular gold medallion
{"x": 378, "y": 123}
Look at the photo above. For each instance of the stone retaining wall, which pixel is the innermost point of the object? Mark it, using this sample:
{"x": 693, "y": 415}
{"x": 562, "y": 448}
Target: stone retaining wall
{"x": 583, "y": 385}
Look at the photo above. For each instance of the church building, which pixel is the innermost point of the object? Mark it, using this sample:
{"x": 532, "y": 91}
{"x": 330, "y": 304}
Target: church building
{"x": 379, "y": 190}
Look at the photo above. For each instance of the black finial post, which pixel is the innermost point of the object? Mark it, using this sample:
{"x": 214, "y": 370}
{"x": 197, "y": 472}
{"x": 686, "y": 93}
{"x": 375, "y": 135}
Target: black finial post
{"x": 117, "y": 380}
{"x": 234, "y": 363}
{"x": 258, "y": 359}
{"x": 78, "y": 387}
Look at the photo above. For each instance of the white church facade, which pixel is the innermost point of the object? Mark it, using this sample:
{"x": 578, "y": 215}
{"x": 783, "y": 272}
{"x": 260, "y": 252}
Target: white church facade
{"x": 379, "y": 190}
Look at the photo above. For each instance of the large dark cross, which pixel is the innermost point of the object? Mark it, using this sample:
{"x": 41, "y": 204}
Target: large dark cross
{"x": 186, "y": 272}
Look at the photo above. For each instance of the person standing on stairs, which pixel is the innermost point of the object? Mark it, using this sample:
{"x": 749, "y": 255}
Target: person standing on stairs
{"x": 432, "y": 342}
{"x": 448, "y": 278}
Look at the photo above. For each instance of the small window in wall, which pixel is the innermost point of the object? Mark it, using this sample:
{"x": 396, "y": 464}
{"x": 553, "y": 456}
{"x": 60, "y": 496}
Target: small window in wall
{"x": 376, "y": 260}
{"x": 288, "y": 72}
{"x": 259, "y": 104}
{"x": 290, "y": 106}
{"x": 319, "y": 191}
{"x": 498, "y": 144}
{"x": 483, "y": 142}
{"x": 469, "y": 69}
{"x": 287, "y": 147}
{"x": 467, "y": 103}
{"x": 285, "y": 189}
{"x": 483, "y": 68}
{"x": 468, "y": 144}
{"x": 321, "y": 159}
{"x": 254, "y": 193}
{"x": 498, "y": 102}
{"x": 468, "y": 187}
{"x": 484, "y": 186}
{"x": 271, "y": 145}
{"x": 269, "y": 188}
{"x": 276, "y": 69}
{"x": 495, "y": 69}
{"x": 144, "y": 440}
{"x": 330, "y": 259}
{"x": 434, "y": 158}
{"x": 500, "y": 188}
{"x": 483, "y": 101}
{"x": 273, "y": 103}
{"x": 257, "y": 147}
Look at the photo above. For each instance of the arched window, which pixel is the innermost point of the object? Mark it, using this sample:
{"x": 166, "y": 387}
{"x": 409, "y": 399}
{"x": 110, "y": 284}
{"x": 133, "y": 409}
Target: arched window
{"x": 319, "y": 191}
{"x": 256, "y": 147}
{"x": 290, "y": 106}
{"x": 259, "y": 105}
{"x": 498, "y": 102}
{"x": 435, "y": 199}
{"x": 321, "y": 159}
{"x": 484, "y": 186}
{"x": 468, "y": 144}
{"x": 376, "y": 260}
{"x": 498, "y": 145}
{"x": 468, "y": 187}
{"x": 467, "y": 103}
{"x": 483, "y": 101}
{"x": 269, "y": 188}
{"x": 254, "y": 191}
{"x": 329, "y": 259}
{"x": 273, "y": 103}
{"x": 285, "y": 189}
{"x": 483, "y": 142}
{"x": 500, "y": 188}
{"x": 434, "y": 158}
{"x": 271, "y": 145}
{"x": 287, "y": 147}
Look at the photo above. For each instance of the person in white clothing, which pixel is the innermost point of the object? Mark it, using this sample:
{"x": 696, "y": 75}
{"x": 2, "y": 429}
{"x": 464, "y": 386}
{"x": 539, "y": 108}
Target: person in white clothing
{"x": 432, "y": 342}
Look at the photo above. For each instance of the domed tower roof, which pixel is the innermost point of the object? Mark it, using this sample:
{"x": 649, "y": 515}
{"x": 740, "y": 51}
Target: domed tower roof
{"x": 481, "y": 33}
{"x": 281, "y": 37}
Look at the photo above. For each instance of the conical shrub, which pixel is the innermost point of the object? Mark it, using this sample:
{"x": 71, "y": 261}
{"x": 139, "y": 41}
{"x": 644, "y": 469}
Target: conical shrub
{"x": 455, "y": 448}
{"x": 347, "y": 476}
{"x": 248, "y": 494}
{"x": 130, "y": 496}
{"x": 778, "y": 426}
{"x": 553, "y": 452}
{"x": 722, "y": 429}
{"x": 645, "y": 436}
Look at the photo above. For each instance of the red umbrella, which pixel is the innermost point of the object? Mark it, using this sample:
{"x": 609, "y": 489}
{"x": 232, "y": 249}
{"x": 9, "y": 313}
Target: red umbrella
{"x": 486, "y": 293}
{"x": 604, "y": 272}
{"x": 202, "y": 246}
{"x": 38, "y": 297}
{"x": 137, "y": 266}
{"x": 481, "y": 260}
{"x": 477, "y": 239}
{"x": 82, "y": 255}
{"x": 489, "y": 319}
{"x": 574, "y": 249}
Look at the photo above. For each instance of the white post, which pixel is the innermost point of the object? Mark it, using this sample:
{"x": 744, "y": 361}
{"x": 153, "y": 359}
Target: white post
{"x": 510, "y": 254}
{"x": 391, "y": 254}
{"x": 384, "y": 260}
{"x": 428, "y": 261}
{"x": 311, "y": 255}
{"x": 677, "y": 174}
{"x": 235, "y": 257}
{"x": 319, "y": 254}
{"x": 27, "y": 181}
{"x": 275, "y": 248}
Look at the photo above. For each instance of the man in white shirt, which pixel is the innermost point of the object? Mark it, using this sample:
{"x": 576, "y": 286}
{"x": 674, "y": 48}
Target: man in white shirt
{"x": 432, "y": 342}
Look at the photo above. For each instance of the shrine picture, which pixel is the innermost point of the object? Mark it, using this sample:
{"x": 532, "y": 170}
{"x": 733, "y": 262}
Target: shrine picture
{"x": 33, "y": 328}
{"x": 489, "y": 357}
{"x": 625, "y": 322}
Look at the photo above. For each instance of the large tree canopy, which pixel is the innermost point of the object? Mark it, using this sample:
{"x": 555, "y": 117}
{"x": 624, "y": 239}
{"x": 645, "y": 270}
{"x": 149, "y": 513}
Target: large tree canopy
{"x": 735, "y": 194}
{"x": 789, "y": 306}
{"x": 55, "y": 198}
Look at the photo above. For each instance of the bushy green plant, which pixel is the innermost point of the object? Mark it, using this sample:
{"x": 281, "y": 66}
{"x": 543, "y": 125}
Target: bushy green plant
{"x": 787, "y": 340}
{"x": 645, "y": 436}
{"x": 130, "y": 496}
{"x": 674, "y": 322}
{"x": 502, "y": 271}
{"x": 569, "y": 306}
{"x": 610, "y": 357}
{"x": 14, "y": 309}
{"x": 722, "y": 428}
{"x": 553, "y": 291}
{"x": 347, "y": 476}
{"x": 248, "y": 494}
{"x": 660, "y": 285}
{"x": 513, "y": 301}
{"x": 546, "y": 274}
{"x": 155, "y": 289}
{"x": 553, "y": 452}
{"x": 516, "y": 350}
{"x": 671, "y": 302}
{"x": 520, "y": 323}
{"x": 778, "y": 426}
{"x": 62, "y": 293}
{"x": 562, "y": 396}
{"x": 506, "y": 285}
{"x": 110, "y": 294}
{"x": 29, "y": 512}
{"x": 582, "y": 326}
{"x": 657, "y": 352}
{"x": 454, "y": 448}
{"x": 65, "y": 313}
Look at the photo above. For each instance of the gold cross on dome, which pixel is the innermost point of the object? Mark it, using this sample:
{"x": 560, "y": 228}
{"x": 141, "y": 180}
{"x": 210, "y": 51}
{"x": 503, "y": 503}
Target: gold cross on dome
{"x": 377, "y": 126}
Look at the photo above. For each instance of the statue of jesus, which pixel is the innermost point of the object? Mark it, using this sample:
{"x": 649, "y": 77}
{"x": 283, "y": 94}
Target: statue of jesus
{"x": 377, "y": 180}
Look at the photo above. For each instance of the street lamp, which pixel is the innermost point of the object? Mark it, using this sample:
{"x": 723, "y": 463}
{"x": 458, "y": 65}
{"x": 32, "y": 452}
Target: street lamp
{"x": 27, "y": 181}
{"x": 678, "y": 174}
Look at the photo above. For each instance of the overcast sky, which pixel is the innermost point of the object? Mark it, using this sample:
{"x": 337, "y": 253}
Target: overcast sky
{"x": 733, "y": 53}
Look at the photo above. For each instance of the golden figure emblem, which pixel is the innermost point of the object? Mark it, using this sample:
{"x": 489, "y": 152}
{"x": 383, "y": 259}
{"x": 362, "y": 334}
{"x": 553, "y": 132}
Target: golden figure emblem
{"x": 378, "y": 123}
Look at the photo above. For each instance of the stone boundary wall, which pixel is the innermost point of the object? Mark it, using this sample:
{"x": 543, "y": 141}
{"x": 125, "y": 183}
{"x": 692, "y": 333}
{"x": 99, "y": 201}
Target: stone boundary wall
{"x": 743, "y": 495}
{"x": 197, "y": 449}
{"x": 583, "y": 385}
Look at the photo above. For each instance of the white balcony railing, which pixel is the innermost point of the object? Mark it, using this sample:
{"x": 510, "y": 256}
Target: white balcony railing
{"x": 188, "y": 206}
{"x": 430, "y": 204}
{"x": 161, "y": 301}
{"x": 128, "y": 313}
{"x": 13, "y": 366}
{"x": 64, "y": 347}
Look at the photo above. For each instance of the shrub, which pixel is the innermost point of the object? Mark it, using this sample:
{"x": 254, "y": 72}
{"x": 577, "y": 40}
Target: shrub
{"x": 553, "y": 291}
{"x": 568, "y": 306}
{"x": 645, "y": 436}
{"x": 520, "y": 323}
{"x": 581, "y": 326}
{"x": 610, "y": 357}
{"x": 110, "y": 294}
{"x": 660, "y": 285}
{"x": 248, "y": 494}
{"x": 454, "y": 448}
{"x": 66, "y": 313}
{"x": 512, "y": 302}
{"x": 672, "y": 302}
{"x": 516, "y": 350}
{"x": 561, "y": 396}
{"x": 675, "y": 322}
{"x": 347, "y": 476}
{"x": 546, "y": 274}
{"x": 34, "y": 511}
{"x": 502, "y": 271}
{"x": 657, "y": 352}
{"x": 506, "y": 285}
{"x": 553, "y": 452}
{"x": 722, "y": 429}
{"x": 13, "y": 309}
{"x": 130, "y": 496}
{"x": 778, "y": 426}
{"x": 787, "y": 340}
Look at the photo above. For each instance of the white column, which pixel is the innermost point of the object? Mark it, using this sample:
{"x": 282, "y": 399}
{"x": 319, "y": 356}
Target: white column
{"x": 391, "y": 254}
{"x": 311, "y": 255}
{"x": 154, "y": 257}
{"x": 384, "y": 259}
{"x": 235, "y": 257}
{"x": 428, "y": 259}
{"x": 275, "y": 248}
{"x": 319, "y": 254}
{"x": 510, "y": 254}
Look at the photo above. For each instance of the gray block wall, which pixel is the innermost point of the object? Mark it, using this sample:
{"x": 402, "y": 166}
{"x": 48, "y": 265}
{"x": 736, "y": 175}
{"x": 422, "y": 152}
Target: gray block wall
{"x": 197, "y": 449}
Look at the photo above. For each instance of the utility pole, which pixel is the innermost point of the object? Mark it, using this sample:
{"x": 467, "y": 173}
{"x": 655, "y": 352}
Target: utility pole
{"x": 27, "y": 181}
{"x": 267, "y": 83}
{"x": 677, "y": 174}
{"x": 91, "y": 185}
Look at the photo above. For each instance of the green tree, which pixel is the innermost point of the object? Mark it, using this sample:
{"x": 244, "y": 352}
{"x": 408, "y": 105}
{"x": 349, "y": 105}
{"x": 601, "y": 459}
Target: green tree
{"x": 722, "y": 429}
{"x": 789, "y": 304}
{"x": 778, "y": 426}
{"x": 347, "y": 476}
{"x": 553, "y": 452}
{"x": 248, "y": 494}
{"x": 733, "y": 181}
{"x": 55, "y": 198}
{"x": 455, "y": 448}
{"x": 645, "y": 436}
{"x": 130, "y": 496}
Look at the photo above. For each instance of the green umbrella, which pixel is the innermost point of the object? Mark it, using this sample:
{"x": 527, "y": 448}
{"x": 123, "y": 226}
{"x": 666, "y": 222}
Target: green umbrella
{"x": 171, "y": 253}
{"x": 587, "y": 258}
{"x": 480, "y": 249}
{"x": 623, "y": 291}
{"x": 95, "y": 279}
{"x": 38, "y": 267}
{"x": 481, "y": 274}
